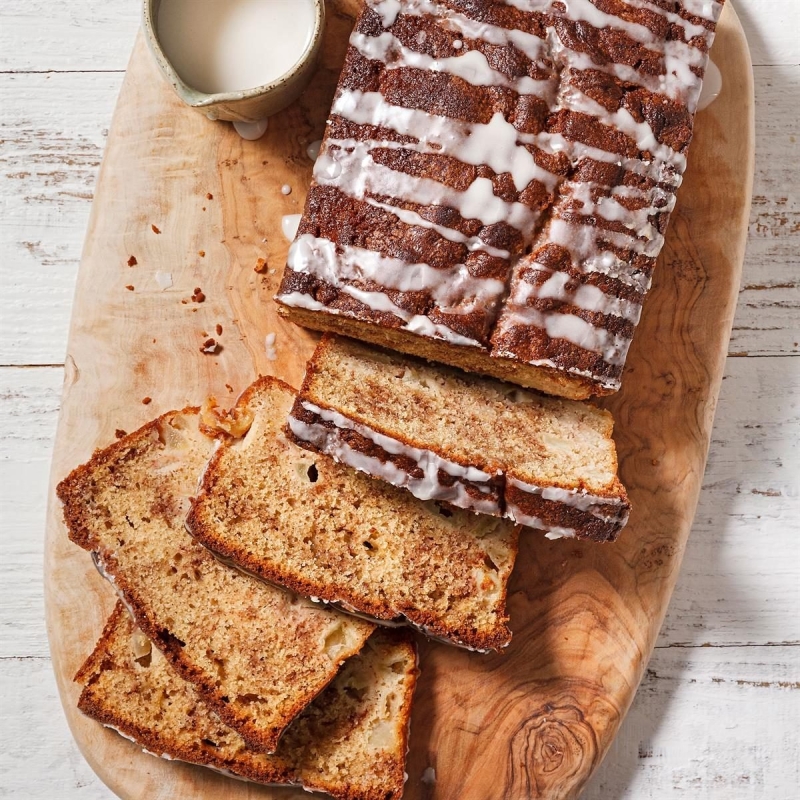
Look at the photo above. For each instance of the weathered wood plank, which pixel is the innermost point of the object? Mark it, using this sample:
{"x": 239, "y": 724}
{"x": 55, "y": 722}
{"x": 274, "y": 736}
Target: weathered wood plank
{"x": 710, "y": 723}
{"x": 771, "y": 29}
{"x": 769, "y": 304}
{"x": 37, "y": 35}
{"x": 739, "y": 580}
{"x": 29, "y": 404}
{"x": 39, "y": 759}
{"x": 52, "y": 135}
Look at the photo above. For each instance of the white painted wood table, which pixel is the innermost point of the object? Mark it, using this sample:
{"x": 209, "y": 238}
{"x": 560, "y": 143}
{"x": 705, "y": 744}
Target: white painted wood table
{"x": 717, "y": 714}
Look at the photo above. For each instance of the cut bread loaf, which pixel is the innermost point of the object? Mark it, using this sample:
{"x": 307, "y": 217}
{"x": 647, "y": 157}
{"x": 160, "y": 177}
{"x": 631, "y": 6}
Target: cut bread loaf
{"x": 496, "y": 180}
{"x": 256, "y": 654}
{"x": 475, "y": 443}
{"x": 351, "y": 742}
{"x": 324, "y": 530}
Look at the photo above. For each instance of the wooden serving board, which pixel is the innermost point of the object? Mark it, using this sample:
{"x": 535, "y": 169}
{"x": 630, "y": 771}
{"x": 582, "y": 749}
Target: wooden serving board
{"x": 531, "y": 722}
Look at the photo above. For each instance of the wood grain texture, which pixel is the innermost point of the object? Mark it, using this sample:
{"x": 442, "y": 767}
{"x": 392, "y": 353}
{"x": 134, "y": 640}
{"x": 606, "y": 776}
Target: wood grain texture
{"x": 536, "y": 720}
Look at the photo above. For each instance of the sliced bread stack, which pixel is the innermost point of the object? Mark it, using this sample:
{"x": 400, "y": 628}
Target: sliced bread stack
{"x": 215, "y": 667}
{"x": 326, "y": 531}
{"x": 474, "y": 443}
{"x": 256, "y": 655}
{"x": 225, "y": 664}
{"x": 350, "y": 742}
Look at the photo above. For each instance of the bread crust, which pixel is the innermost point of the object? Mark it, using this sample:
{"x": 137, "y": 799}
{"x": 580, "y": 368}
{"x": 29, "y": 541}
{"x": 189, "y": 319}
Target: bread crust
{"x": 75, "y": 491}
{"x": 209, "y": 532}
{"x": 387, "y": 776}
{"x": 603, "y": 522}
{"x": 471, "y": 359}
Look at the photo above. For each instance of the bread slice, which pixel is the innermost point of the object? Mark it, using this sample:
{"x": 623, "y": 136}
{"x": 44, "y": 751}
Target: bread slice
{"x": 472, "y": 442}
{"x": 256, "y": 654}
{"x": 324, "y": 530}
{"x": 351, "y": 742}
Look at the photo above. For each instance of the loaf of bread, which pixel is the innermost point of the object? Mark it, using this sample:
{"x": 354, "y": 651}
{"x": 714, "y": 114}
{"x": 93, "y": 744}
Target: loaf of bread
{"x": 472, "y": 442}
{"x": 326, "y": 531}
{"x": 350, "y": 742}
{"x": 255, "y": 654}
{"x": 496, "y": 180}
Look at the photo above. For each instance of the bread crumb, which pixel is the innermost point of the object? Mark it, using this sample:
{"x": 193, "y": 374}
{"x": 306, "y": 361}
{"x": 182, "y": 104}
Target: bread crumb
{"x": 130, "y": 288}
{"x": 132, "y": 262}
{"x": 155, "y": 229}
{"x": 215, "y": 420}
{"x": 198, "y": 296}
{"x": 146, "y": 401}
{"x": 261, "y": 266}
{"x": 209, "y": 196}
{"x": 201, "y": 253}
{"x": 218, "y": 329}
{"x": 229, "y": 388}
{"x": 120, "y": 434}
{"x": 210, "y": 347}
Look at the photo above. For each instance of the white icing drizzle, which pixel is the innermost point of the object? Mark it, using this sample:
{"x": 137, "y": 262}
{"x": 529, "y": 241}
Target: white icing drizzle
{"x": 553, "y": 531}
{"x": 330, "y": 442}
{"x": 312, "y": 151}
{"x": 409, "y": 217}
{"x": 380, "y": 302}
{"x": 621, "y": 120}
{"x": 532, "y": 46}
{"x": 289, "y": 225}
{"x": 610, "y": 209}
{"x": 712, "y": 86}
{"x": 349, "y": 166}
{"x": 594, "y": 504}
{"x": 389, "y": 10}
{"x": 497, "y": 144}
{"x": 612, "y": 347}
{"x": 585, "y": 296}
{"x": 705, "y": 9}
{"x": 472, "y": 66}
{"x": 357, "y": 175}
{"x": 450, "y": 288}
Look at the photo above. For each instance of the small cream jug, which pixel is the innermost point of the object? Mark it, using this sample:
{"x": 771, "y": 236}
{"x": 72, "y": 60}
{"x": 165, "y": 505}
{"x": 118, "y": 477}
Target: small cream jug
{"x": 248, "y": 105}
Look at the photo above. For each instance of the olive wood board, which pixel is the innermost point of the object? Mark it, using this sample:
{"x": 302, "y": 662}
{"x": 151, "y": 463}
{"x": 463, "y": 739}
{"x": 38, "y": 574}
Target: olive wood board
{"x": 196, "y": 207}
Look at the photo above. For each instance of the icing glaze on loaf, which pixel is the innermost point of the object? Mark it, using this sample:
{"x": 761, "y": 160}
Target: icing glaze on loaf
{"x": 500, "y": 176}
{"x": 562, "y": 513}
